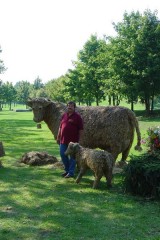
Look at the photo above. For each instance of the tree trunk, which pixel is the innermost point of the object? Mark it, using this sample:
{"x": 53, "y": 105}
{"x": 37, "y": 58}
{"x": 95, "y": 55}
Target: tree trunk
{"x": 10, "y": 105}
{"x": 152, "y": 105}
{"x": 132, "y": 106}
{"x": 152, "y": 101}
{"x": 2, "y": 152}
{"x": 109, "y": 100}
{"x": 39, "y": 125}
{"x": 0, "y": 106}
{"x": 118, "y": 101}
{"x": 147, "y": 105}
{"x": 97, "y": 102}
{"x": 113, "y": 100}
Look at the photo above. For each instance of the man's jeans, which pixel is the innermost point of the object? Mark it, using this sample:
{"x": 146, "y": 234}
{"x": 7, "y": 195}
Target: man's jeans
{"x": 69, "y": 162}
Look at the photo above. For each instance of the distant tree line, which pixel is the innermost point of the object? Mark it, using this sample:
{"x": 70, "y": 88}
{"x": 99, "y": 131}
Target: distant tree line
{"x": 20, "y": 92}
{"x": 126, "y": 66}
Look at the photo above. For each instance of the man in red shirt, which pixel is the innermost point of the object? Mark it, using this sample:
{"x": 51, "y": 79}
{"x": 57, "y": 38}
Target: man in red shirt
{"x": 70, "y": 130}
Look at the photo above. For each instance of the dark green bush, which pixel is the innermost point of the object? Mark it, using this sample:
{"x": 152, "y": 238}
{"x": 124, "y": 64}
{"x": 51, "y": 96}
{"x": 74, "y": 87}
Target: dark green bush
{"x": 142, "y": 175}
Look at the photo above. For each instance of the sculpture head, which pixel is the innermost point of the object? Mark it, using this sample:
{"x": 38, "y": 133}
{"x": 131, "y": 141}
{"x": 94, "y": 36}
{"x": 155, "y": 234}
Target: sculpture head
{"x": 72, "y": 149}
{"x": 38, "y": 106}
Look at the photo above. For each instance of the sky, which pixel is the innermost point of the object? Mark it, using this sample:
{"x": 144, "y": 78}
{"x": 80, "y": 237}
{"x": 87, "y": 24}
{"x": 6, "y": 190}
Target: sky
{"x": 41, "y": 38}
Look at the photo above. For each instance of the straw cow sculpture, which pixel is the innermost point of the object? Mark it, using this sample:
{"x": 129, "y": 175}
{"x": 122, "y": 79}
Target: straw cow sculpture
{"x": 109, "y": 128}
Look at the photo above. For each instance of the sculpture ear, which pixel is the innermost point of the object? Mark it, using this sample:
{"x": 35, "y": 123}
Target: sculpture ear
{"x": 76, "y": 146}
{"x": 46, "y": 102}
{"x": 29, "y": 102}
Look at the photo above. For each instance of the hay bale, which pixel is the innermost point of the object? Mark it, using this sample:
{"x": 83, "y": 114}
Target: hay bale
{"x": 38, "y": 158}
{"x": 58, "y": 165}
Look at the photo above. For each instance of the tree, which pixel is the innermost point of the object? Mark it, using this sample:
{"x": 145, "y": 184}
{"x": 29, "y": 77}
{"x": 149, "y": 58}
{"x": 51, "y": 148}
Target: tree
{"x": 148, "y": 58}
{"x": 55, "y": 89}
{"x": 136, "y": 56}
{"x": 37, "y": 89}
{"x": 94, "y": 68}
{"x": 122, "y": 56}
{"x": 113, "y": 84}
{"x": 38, "y": 83}
{"x": 23, "y": 89}
{"x": 75, "y": 85}
{"x": 2, "y": 67}
{"x": 41, "y": 92}
{"x": 1, "y": 94}
{"x": 9, "y": 93}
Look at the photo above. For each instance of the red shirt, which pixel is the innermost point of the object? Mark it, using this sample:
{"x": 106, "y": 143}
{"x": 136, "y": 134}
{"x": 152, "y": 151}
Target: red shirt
{"x": 70, "y": 127}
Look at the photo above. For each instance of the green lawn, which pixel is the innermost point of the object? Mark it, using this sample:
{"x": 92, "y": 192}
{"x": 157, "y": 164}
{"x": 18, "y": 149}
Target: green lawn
{"x": 36, "y": 203}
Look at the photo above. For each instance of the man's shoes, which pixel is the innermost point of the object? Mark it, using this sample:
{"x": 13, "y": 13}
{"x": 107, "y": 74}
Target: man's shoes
{"x": 69, "y": 176}
{"x": 64, "y": 174}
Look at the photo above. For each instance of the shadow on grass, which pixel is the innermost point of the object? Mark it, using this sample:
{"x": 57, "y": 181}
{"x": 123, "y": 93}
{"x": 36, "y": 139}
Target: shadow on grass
{"x": 155, "y": 116}
{"x": 39, "y": 204}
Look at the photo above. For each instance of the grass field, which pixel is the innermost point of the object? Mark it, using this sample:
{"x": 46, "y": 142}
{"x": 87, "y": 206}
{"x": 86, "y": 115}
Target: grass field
{"x": 36, "y": 203}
